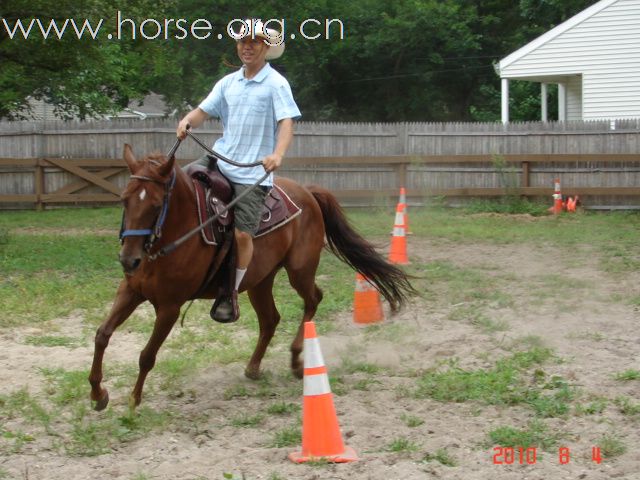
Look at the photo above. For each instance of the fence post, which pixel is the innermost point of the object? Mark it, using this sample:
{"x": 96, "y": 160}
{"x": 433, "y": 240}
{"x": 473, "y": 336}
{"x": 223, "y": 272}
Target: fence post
{"x": 525, "y": 182}
{"x": 39, "y": 183}
{"x": 401, "y": 174}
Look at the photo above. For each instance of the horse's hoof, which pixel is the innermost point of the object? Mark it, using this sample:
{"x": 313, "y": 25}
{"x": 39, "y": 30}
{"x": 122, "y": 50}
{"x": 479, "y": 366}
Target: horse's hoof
{"x": 133, "y": 403}
{"x": 102, "y": 403}
{"x": 298, "y": 372}
{"x": 253, "y": 373}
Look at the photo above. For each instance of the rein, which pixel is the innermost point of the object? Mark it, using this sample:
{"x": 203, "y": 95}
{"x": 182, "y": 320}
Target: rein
{"x": 156, "y": 232}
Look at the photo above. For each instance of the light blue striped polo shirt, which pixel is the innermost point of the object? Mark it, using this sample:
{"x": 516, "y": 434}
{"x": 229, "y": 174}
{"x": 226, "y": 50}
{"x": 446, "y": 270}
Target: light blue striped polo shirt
{"x": 250, "y": 111}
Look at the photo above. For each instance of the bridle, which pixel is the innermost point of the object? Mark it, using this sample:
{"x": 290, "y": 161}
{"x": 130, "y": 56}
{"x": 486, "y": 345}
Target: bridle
{"x": 151, "y": 234}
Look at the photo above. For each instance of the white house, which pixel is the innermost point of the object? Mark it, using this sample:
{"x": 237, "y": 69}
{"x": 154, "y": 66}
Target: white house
{"x": 594, "y": 58}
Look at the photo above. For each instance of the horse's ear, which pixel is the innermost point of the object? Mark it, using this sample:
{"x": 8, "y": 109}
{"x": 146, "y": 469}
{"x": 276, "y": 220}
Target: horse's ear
{"x": 130, "y": 158}
{"x": 165, "y": 168}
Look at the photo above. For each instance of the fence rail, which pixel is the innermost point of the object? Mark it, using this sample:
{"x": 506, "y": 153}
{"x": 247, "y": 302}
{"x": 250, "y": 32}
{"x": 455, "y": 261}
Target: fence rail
{"x": 49, "y": 163}
{"x": 597, "y": 178}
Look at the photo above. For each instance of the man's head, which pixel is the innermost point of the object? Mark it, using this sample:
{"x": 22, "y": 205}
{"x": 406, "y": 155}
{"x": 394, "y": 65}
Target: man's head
{"x": 255, "y": 40}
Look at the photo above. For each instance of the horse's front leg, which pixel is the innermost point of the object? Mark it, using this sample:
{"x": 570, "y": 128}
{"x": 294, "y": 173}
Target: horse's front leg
{"x": 125, "y": 303}
{"x": 166, "y": 316}
{"x": 261, "y": 297}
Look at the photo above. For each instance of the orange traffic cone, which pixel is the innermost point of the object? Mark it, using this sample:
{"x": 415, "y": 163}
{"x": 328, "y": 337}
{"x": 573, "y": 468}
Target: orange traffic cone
{"x": 557, "y": 199}
{"x": 398, "y": 250}
{"x": 403, "y": 203}
{"x": 572, "y": 204}
{"x": 321, "y": 438}
{"x": 367, "y": 307}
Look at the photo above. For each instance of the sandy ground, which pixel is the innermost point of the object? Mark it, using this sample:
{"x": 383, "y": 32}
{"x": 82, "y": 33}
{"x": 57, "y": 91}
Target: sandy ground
{"x": 589, "y": 327}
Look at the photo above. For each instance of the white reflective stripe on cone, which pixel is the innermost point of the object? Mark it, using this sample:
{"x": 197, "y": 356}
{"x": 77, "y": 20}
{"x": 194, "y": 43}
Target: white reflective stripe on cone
{"x": 312, "y": 353}
{"x": 399, "y": 218}
{"x": 364, "y": 286}
{"x": 316, "y": 384}
{"x": 398, "y": 231}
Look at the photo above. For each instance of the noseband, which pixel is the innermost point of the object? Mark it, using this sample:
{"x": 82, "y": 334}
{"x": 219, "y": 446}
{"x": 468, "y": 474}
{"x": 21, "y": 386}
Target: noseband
{"x": 154, "y": 233}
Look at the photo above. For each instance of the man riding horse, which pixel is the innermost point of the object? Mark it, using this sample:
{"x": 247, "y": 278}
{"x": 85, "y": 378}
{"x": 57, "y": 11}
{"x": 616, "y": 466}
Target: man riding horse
{"x": 257, "y": 110}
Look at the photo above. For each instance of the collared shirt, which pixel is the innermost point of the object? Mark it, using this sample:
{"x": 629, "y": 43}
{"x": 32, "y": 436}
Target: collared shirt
{"x": 250, "y": 111}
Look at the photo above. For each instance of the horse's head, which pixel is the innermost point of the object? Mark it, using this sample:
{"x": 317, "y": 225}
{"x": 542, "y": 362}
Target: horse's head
{"x": 145, "y": 201}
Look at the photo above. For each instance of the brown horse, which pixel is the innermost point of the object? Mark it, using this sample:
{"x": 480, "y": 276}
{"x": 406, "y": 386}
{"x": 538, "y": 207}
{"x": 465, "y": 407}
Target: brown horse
{"x": 168, "y": 282}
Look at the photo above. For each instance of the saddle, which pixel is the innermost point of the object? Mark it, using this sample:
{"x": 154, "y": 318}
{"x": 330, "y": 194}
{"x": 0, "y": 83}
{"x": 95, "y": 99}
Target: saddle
{"x": 213, "y": 194}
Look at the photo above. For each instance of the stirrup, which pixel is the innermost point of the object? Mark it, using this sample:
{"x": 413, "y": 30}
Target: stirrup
{"x": 225, "y": 308}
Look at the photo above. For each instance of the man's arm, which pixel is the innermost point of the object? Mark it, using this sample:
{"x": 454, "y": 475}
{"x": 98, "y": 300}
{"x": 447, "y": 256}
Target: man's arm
{"x": 283, "y": 140}
{"x": 194, "y": 118}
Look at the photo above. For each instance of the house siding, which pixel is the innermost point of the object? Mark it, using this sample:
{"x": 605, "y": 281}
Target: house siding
{"x": 574, "y": 98}
{"x": 603, "y": 50}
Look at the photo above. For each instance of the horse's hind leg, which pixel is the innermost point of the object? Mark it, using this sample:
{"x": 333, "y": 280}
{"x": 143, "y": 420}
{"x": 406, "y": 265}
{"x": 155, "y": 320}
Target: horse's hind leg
{"x": 125, "y": 303}
{"x": 303, "y": 280}
{"x": 261, "y": 297}
{"x": 166, "y": 317}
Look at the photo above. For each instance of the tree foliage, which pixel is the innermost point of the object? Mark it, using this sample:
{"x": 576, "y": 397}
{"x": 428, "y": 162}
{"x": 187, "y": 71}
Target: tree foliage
{"x": 399, "y": 60}
{"x": 80, "y": 77}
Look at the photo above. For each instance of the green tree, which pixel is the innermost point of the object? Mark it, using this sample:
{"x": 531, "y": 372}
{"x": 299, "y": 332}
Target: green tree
{"x": 83, "y": 77}
{"x": 399, "y": 60}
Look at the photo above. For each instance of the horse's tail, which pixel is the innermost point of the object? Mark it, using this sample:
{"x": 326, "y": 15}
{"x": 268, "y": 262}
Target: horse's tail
{"x": 348, "y": 245}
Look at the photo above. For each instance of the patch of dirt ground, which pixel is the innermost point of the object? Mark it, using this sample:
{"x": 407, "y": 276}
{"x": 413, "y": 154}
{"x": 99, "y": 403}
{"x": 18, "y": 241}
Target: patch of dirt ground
{"x": 561, "y": 299}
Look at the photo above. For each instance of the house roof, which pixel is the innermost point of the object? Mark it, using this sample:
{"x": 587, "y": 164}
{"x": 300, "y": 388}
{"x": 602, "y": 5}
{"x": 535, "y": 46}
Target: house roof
{"x": 151, "y": 106}
{"x": 555, "y": 32}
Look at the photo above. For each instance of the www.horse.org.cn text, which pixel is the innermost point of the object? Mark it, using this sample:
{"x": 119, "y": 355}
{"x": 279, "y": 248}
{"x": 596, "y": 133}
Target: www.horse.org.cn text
{"x": 122, "y": 27}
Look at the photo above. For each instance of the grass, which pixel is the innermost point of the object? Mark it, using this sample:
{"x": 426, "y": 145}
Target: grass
{"x": 594, "y": 407}
{"x": 598, "y": 230}
{"x": 64, "y": 416}
{"x": 287, "y": 437}
{"x": 626, "y": 406}
{"x": 55, "y": 277}
{"x": 441, "y": 456}
{"x": 611, "y": 446}
{"x": 283, "y": 408}
{"x": 411, "y": 421}
{"x": 247, "y": 421}
{"x": 507, "y": 205}
{"x": 53, "y": 341}
{"x": 402, "y": 445}
{"x": 628, "y": 375}
{"x": 63, "y": 268}
{"x": 535, "y": 434}
{"x": 502, "y": 385}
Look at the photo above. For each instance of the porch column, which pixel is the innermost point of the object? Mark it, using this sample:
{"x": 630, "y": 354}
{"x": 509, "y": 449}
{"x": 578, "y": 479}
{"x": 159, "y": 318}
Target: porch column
{"x": 543, "y": 102}
{"x": 505, "y": 100}
{"x": 562, "y": 102}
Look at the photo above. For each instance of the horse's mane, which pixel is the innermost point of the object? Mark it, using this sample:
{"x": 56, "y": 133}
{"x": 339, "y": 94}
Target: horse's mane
{"x": 151, "y": 163}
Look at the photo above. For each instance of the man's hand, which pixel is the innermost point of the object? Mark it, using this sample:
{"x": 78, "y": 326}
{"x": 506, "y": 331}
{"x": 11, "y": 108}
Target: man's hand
{"x": 272, "y": 162}
{"x": 193, "y": 119}
{"x": 183, "y": 126}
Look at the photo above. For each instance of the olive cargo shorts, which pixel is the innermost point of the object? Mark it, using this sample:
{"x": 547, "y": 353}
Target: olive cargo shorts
{"x": 248, "y": 211}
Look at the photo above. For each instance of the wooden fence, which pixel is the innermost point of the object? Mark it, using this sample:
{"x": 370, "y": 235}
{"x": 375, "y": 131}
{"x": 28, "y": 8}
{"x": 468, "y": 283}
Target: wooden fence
{"x": 363, "y": 164}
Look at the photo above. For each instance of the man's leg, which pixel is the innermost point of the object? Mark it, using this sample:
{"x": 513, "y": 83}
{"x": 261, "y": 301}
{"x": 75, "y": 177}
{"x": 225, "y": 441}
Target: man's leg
{"x": 247, "y": 218}
{"x": 244, "y": 252}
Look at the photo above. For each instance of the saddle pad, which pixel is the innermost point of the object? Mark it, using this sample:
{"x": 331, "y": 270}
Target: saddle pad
{"x": 278, "y": 210}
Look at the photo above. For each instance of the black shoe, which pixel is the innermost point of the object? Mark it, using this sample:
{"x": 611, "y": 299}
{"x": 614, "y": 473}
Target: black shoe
{"x": 225, "y": 309}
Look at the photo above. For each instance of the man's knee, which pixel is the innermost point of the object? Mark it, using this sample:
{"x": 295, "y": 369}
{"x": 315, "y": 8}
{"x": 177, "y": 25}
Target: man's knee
{"x": 243, "y": 238}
